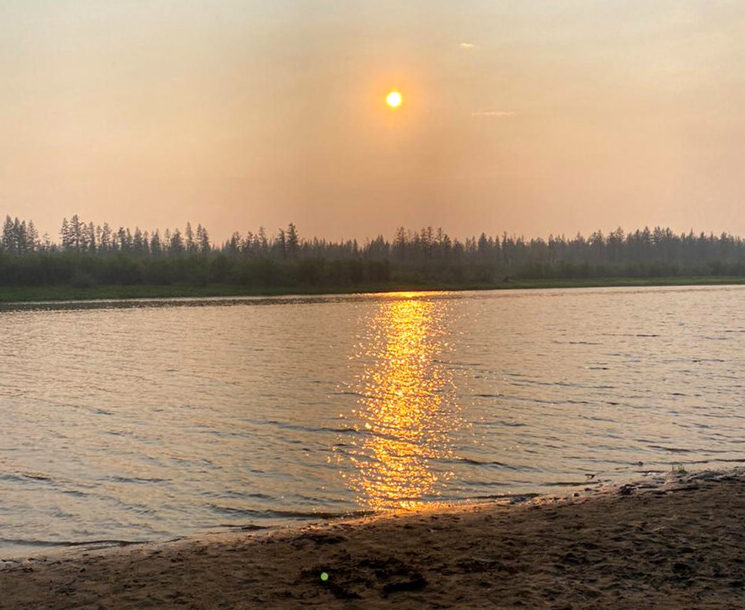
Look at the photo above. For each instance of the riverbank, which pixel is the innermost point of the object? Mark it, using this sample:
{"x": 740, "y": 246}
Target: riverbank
{"x": 13, "y": 294}
{"x": 680, "y": 544}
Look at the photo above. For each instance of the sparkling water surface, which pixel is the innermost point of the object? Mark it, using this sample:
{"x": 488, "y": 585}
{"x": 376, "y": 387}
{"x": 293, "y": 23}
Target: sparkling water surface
{"x": 149, "y": 420}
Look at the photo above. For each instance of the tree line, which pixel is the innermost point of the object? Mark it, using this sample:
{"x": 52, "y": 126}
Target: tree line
{"x": 86, "y": 254}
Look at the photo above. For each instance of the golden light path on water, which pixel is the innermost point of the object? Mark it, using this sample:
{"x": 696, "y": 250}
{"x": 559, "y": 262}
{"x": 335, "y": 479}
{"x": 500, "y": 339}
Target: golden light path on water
{"x": 406, "y": 406}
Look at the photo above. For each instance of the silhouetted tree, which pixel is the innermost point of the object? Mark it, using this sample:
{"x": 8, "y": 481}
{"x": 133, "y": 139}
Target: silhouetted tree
{"x": 285, "y": 259}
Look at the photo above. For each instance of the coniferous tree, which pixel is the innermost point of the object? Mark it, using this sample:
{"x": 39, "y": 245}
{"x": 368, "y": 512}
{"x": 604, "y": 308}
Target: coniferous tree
{"x": 105, "y": 240}
{"x": 203, "y": 240}
{"x": 155, "y": 246}
{"x": 8, "y": 239}
{"x": 65, "y": 235}
{"x": 122, "y": 241}
{"x": 191, "y": 247}
{"x": 262, "y": 241}
{"x": 32, "y": 237}
{"x": 92, "y": 241}
{"x": 176, "y": 245}
{"x": 75, "y": 230}
{"x": 292, "y": 241}
{"x": 137, "y": 241}
{"x": 426, "y": 255}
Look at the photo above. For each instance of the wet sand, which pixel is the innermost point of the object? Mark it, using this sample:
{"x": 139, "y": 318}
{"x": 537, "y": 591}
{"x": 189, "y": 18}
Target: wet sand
{"x": 677, "y": 545}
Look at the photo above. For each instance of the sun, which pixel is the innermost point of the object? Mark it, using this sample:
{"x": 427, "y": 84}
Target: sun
{"x": 394, "y": 99}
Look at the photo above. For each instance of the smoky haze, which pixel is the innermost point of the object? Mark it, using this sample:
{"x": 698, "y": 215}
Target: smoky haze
{"x": 530, "y": 117}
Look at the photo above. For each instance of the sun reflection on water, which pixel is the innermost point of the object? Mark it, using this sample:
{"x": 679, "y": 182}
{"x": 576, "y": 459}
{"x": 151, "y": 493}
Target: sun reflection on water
{"x": 406, "y": 407}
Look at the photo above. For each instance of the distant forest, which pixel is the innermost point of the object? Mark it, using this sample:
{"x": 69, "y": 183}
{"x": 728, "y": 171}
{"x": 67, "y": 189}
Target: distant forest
{"x": 87, "y": 255}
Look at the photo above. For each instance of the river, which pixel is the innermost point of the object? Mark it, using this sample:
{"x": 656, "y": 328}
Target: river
{"x": 149, "y": 420}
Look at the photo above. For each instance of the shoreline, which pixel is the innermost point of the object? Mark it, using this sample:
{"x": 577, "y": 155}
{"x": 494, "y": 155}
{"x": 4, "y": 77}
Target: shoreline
{"x": 10, "y": 295}
{"x": 647, "y": 543}
{"x": 591, "y": 488}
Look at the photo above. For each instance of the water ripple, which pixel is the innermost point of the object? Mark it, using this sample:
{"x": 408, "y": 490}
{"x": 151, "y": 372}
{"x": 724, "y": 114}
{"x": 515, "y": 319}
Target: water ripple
{"x": 149, "y": 420}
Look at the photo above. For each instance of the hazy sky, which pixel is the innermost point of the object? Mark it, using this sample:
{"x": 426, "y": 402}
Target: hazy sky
{"x": 520, "y": 116}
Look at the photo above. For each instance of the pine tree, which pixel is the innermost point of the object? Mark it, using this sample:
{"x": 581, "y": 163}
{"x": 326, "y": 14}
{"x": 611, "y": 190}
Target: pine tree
{"x": 155, "y": 247}
{"x": 8, "y": 238}
{"x": 293, "y": 242}
{"x": 92, "y": 242}
{"x": 65, "y": 235}
{"x": 262, "y": 241}
{"x": 137, "y": 241}
{"x": 32, "y": 237}
{"x": 121, "y": 235}
{"x": 176, "y": 245}
{"x": 189, "y": 237}
{"x": 203, "y": 239}
{"x": 281, "y": 243}
{"x": 75, "y": 233}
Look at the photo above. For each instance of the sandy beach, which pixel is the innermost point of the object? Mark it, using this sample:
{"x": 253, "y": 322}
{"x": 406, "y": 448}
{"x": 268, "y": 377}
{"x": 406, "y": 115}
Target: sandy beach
{"x": 676, "y": 544}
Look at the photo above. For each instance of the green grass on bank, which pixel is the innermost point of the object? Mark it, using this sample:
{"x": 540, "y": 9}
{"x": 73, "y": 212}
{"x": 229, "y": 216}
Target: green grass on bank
{"x": 68, "y": 293}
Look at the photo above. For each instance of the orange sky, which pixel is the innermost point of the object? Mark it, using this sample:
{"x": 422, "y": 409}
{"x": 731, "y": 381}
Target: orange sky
{"x": 527, "y": 117}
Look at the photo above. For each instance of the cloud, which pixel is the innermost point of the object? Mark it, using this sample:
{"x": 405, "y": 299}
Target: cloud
{"x": 496, "y": 114}
{"x": 467, "y": 45}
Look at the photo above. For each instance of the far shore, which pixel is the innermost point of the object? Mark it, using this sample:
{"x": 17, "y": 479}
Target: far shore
{"x": 19, "y": 294}
{"x": 673, "y": 544}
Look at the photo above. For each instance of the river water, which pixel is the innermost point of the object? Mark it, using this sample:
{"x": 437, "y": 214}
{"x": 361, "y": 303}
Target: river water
{"x": 149, "y": 420}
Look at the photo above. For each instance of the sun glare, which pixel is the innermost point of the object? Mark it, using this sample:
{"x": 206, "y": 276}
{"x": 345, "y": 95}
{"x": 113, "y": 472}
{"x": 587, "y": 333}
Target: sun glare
{"x": 394, "y": 99}
{"x": 406, "y": 404}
